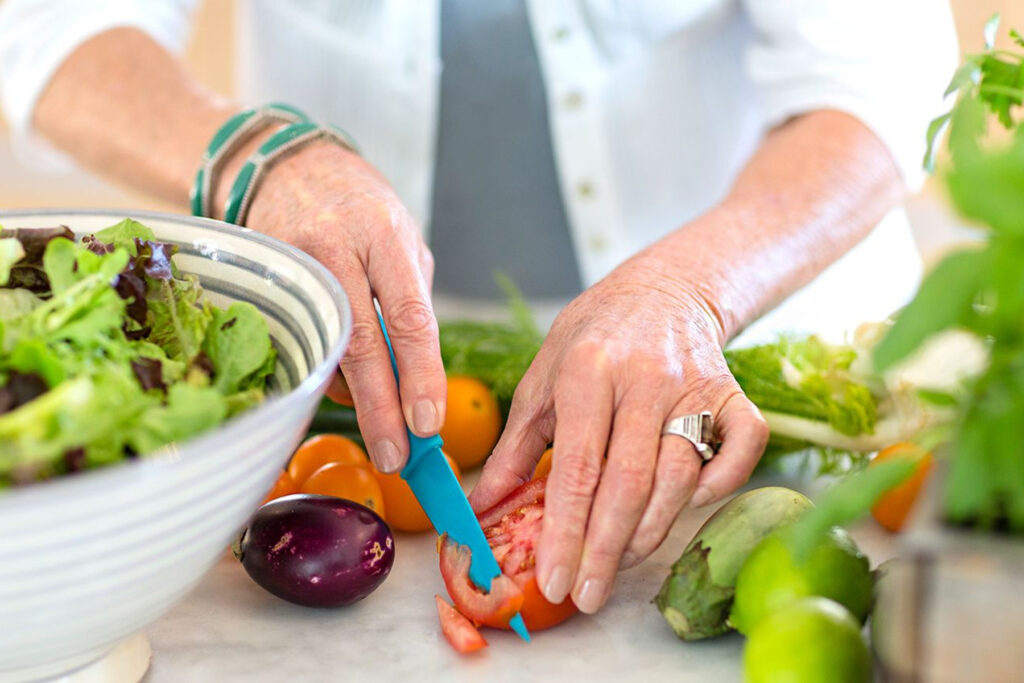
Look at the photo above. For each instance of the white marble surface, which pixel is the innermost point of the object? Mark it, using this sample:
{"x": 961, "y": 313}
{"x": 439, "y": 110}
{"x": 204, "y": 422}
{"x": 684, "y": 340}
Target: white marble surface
{"x": 229, "y": 629}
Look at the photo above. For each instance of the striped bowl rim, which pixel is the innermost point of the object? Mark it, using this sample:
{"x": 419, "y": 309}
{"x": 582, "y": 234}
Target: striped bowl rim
{"x": 214, "y": 438}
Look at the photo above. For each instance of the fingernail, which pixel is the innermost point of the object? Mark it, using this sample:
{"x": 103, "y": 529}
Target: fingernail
{"x": 591, "y": 596}
{"x": 557, "y": 586}
{"x": 386, "y": 457}
{"x": 701, "y": 497}
{"x": 424, "y": 417}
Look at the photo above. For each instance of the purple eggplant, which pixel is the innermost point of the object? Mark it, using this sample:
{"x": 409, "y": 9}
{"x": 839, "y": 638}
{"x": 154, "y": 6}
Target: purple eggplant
{"x": 318, "y": 551}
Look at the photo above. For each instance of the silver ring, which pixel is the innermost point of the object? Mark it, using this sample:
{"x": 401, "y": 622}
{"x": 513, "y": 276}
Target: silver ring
{"x": 698, "y": 429}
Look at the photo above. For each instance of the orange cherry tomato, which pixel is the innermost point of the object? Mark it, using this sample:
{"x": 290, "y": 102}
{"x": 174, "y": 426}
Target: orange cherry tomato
{"x": 325, "y": 449}
{"x": 284, "y": 486}
{"x": 351, "y": 482}
{"x": 893, "y": 508}
{"x": 404, "y": 511}
{"x": 472, "y": 421}
{"x": 543, "y": 467}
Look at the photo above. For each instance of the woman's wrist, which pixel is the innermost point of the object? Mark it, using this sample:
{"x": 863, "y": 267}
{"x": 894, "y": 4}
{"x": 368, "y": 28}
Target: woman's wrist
{"x": 696, "y": 266}
{"x": 232, "y": 164}
{"x": 317, "y": 176}
{"x": 271, "y": 150}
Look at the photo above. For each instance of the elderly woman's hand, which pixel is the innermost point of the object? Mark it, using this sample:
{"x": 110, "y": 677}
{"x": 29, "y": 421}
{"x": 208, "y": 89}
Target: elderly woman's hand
{"x": 634, "y": 351}
{"x": 333, "y": 204}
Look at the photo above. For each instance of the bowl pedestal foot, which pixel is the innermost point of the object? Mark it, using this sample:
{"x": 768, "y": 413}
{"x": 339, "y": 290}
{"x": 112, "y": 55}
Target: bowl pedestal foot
{"x": 126, "y": 662}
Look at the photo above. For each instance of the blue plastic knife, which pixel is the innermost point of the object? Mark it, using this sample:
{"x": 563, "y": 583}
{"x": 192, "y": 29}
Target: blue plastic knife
{"x": 431, "y": 478}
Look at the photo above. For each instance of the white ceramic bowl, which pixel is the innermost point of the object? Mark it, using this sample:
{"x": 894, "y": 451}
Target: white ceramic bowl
{"x": 88, "y": 559}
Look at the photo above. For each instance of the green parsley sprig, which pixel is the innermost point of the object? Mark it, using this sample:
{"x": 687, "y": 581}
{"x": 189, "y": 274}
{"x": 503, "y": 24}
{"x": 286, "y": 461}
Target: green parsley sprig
{"x": 981, "y": 290}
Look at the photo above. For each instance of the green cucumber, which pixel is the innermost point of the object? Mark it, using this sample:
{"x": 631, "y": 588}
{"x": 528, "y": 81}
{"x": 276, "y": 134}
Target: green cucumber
{"x": 333, "y": 417}
{"x": 697, "y": 595}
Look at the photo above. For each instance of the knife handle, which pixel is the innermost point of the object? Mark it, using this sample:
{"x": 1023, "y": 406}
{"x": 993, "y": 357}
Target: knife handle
{"x": 418, "y": 446}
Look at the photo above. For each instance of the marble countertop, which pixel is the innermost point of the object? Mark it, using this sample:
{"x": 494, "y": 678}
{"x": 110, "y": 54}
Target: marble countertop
{"x": 229, "y": 629}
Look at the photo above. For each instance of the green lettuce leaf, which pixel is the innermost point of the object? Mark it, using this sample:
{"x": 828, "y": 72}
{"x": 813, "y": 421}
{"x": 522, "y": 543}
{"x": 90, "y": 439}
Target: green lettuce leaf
{"x": 807, "y": 378}
{"x": 34, "y": 356}
{"x": 93, "y": 410}
{"x": 178, "y": 316}
{"x": 11, "y": 252}
{"x": 14, "y": 303}
{"x": 243, "y": 400}
{"x": 172, "y": 370}
{"x": 124, "y": 234}
{"x": 84, "y": 310}
{"x": 189, "y": 411}
{"x": 238, "y": 344}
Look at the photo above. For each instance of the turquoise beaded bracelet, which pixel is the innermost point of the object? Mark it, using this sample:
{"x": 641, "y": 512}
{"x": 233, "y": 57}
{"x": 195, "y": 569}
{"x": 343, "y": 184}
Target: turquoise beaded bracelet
{"x": 279, "y": 144}
{"x": 232, "y": 134}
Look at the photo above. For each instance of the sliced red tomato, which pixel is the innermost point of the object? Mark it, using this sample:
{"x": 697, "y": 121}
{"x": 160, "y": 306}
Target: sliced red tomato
{"x": 529, "y": 494}
{"x": 512, "y": 528}
{"x": 459, "y": 630}
{"x": 494, "y": 608}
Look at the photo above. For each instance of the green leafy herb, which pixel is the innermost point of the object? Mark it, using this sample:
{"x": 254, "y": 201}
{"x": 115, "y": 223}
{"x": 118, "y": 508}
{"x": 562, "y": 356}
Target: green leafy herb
{"x": 992, "y": 81}
{"x": 850, "y": 499}
{"x": 945, "y": 298}
{"x": 982, "y": 291}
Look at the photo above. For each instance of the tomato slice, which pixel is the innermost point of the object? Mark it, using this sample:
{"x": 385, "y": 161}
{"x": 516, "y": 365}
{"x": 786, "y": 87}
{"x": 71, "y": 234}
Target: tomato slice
{"x": 530, "y": 493}
{"x": 511, "y": 527}
{"x": 492, "y": 609}
{"x": 459, "y": 630}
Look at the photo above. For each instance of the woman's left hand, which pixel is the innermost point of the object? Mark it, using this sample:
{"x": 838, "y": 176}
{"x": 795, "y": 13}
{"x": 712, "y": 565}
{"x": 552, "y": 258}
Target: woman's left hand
{"x": 637, "y": 349}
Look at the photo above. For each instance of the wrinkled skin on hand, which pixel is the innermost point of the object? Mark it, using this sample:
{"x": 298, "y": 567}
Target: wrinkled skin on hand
{"x": 638, "y": 348}
{"x": 334, "y": 205}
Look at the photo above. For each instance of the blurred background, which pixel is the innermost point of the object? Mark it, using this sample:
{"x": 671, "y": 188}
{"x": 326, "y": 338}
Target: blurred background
{"x": 211, "y": 52}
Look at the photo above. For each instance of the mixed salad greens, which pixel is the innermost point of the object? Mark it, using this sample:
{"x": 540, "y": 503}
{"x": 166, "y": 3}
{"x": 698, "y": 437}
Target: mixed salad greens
{"x": 108, "y": 352}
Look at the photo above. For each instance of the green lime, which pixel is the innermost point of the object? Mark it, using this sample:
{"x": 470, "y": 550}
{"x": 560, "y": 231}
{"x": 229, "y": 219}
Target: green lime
{"x": 771, "y": 577}
{"x": 809, "y": 640}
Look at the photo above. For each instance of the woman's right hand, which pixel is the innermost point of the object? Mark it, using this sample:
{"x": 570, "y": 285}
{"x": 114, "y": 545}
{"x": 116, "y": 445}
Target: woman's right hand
{"x": 334, "y": 205}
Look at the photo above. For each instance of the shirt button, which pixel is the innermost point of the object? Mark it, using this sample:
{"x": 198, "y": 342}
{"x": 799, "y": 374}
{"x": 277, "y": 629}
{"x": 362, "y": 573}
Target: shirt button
{"x": 598, "y": 242}
{"x": 560, "y": 34}
{"x": 585, "y": 188}
{"x": 573, "y": 100}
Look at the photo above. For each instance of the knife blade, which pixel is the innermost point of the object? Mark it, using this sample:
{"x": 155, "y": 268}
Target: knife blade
{"x": 438, "y": 490}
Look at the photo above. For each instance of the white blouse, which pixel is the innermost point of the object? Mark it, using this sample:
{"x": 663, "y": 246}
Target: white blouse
{"x": 654, "y": 105}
